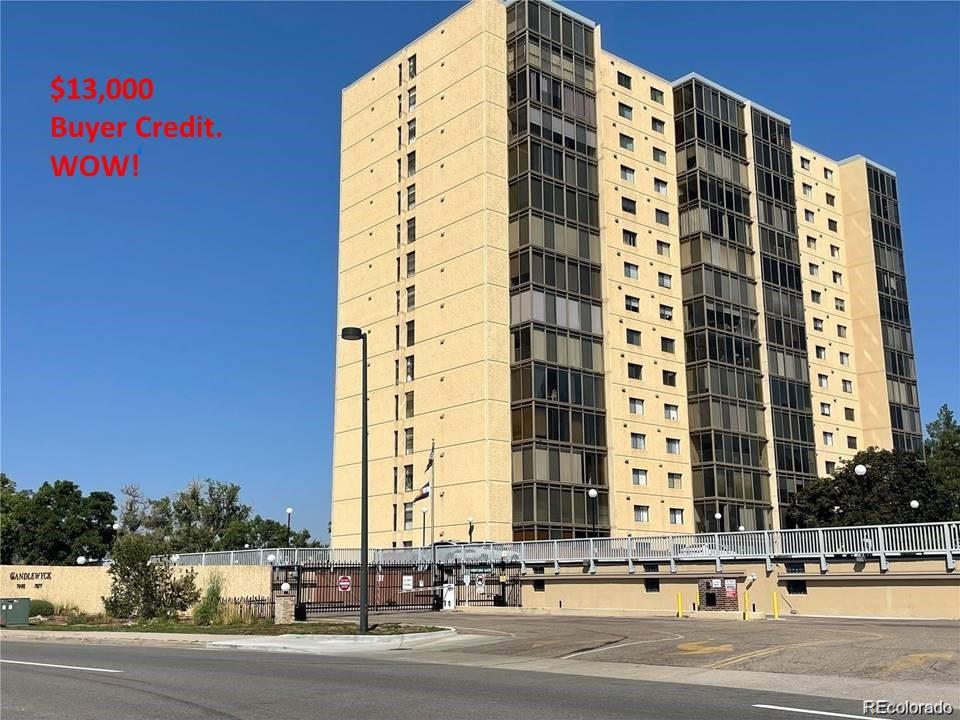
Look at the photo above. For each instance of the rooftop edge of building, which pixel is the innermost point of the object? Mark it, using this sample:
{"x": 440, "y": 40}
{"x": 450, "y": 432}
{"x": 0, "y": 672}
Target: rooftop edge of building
{"x": 868, "y": 161}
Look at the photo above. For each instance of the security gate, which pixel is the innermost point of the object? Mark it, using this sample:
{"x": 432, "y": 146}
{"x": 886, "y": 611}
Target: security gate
{"x": 335, "y": 589}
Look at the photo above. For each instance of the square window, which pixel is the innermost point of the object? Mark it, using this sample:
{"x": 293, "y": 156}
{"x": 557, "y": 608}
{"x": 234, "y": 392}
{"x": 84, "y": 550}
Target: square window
{"x": 629, "y": 238}
{"x": 815, "y": 296}
{"x": 631, "y": 271}
{"x": 638, "y": 441}
{"x": 828, "y": 439}
{"x": 839, "y": 303}
{"x": 827, "y": 174}
{"x": 674, "y": 480}
{"x": 636, "y": 406}
{"x": 658, "y": 125}
{"x": 848, "y": 414}
{"x": 822, "y": 380}
{"x": 829, "y": 466}
{"x": 668, "y": 345}
{"x": 805, "y": 163}
{"x": 673, "y": 446}
{"x": 837, "y": 277}
{"x": 627, "y": 174}
{"x": 671, "y": 412}
{"x": 633, "y": 337}
{"x": 831, "y": 200}
{"x": 676, "y": 516}
{"x": 818, "y": 324}
{"x": 807, "y": 190}
{"x": 663, "y": 248}
{"x": 628, "y": 205}
{"x": 841, "y": 331}
{"x": 662, "y": 217}
{"x": 669, "y": 378}
{"x": 851, "y": 442}
{"x": 656, "y": 95}
{"x": 631, "y": 303}
{"x": 813, "y": 269}
{"x": 821, "y": 352}
{"x": 660, "y": 186}
{"x": 832, "y": 225}
{"x": 641, "y": 513}
{"x": 626, "y": 142}
{"x": 624, "y": 80}
{"x": 664, "y": 280}
{"x": 834, "y": 251}
{"x": 639, "y": 476}
{"x": 666, "y": 312}
{"x": 847, "y": 385}
{"x": 844, "y": 358}
{"x": 660, "y": 156}
{"x": 651, "y": 584}
{"x": 811, "y": 242}
{"x": 808, "y": 216}
{"x": 625, "y": 111}
{"x": 634, "y": 371}
{"x": 825, "y": 409}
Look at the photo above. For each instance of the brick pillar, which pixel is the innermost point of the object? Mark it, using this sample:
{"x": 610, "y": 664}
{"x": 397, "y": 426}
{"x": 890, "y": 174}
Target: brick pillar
{"x": 283, "y": 610}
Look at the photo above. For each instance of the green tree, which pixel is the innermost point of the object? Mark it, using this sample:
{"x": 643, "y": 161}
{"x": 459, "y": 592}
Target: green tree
{"x": 263, "y": 533}
{"x": 55, "y": 524}
{"x": 943, "y": 453}
{"x": 883, "y": 495}
{"x": 143, "y": 588}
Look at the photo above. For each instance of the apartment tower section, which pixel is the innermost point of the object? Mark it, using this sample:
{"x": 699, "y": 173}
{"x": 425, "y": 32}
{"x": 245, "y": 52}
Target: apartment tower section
{"x": 615, "y": 304}
{"x": 557, "y": 389}
{"x": 424, "y": 269}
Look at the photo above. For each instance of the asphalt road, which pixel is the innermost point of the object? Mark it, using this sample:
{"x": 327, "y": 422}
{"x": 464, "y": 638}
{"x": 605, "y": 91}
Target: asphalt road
{"x": 174, "y": 683}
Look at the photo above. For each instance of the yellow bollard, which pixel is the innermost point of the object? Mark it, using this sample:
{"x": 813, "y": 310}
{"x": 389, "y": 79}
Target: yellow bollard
{"x": 679, "y": 605}
{"x": 746, "y": 604}
{"x": 776, "y": 606}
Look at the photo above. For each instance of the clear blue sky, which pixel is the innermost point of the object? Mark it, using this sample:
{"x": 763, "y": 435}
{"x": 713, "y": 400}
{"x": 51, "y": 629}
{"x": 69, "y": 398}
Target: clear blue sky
{"x": 183, "y": 324}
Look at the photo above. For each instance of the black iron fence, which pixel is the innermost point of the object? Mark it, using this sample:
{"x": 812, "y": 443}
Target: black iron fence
{"x": 495, "y": 585}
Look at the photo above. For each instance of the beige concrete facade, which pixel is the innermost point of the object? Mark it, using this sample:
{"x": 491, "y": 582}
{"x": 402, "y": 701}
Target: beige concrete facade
{"x": 909, "y": 589}
{"x": 84, "y": 588}
{"x": 437, "y": 295}
{"x": 458, "y": 267}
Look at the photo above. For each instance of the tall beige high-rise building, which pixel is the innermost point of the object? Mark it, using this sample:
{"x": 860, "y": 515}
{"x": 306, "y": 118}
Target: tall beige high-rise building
{"x": 614, "y": 303}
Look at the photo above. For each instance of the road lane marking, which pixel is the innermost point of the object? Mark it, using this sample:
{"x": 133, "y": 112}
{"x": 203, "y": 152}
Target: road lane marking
{"x": 700, "y": 647}
{"x": 674, "y": 636}
{"x": 813, "y": 712}
{"x": 764, "y": 652}
{"x": 63, "y": 667}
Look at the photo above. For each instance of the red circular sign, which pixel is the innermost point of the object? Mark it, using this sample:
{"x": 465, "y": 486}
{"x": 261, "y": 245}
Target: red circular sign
{"x": 343, "y": 582}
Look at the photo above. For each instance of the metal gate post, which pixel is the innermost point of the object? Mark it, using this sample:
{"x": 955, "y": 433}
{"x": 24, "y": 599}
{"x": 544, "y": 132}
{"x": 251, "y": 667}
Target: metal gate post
{"x": 823, "y": 554}
{"x": 523, "y": 558}
{"x": 951, "y": 562}
{"x": 768, "y": 550}
{"x": 630, "y": 568}
{"x": 673, "y": 555}
{"x": 556, "y": 558}
{"x": 593, "y": 555}
{"x": 882, "y": 549}
{"x": 716, "y": 551}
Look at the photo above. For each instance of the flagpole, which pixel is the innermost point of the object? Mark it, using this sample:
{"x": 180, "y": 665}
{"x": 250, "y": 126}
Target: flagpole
{"x": 433, "y": 517}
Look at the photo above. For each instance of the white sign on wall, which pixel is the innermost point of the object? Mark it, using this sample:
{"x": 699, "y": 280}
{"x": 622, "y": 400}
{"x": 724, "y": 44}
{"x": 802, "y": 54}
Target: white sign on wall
{"x": 408, "y": 582}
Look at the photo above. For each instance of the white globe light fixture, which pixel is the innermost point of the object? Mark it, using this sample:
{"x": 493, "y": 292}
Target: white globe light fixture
{"x": 285, "y": 587}
{"x": 741, "y": 528}
{"x": 246, "y": 546}
{"x": 81, "y": 560}
{"x": 860, "y": 470}
{"x": 116, "y": 526}
{"x": 717, "y": 516}
{"x": 271, "y": 558}
{"x": 914, "y": 504}
{"x": 289, "y": 511}
{"x": 592, "y": 492}
{"x": 175, "y": 558}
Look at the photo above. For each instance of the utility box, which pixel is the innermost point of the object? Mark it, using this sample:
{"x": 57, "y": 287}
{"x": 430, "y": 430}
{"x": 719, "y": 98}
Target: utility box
{"x": 14, "y": 611}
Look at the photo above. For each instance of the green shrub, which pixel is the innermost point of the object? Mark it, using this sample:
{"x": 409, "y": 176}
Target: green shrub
{"x": 41, "y": 607}
{"x": 207, "y": 611}
{"x": 142, "y": 588}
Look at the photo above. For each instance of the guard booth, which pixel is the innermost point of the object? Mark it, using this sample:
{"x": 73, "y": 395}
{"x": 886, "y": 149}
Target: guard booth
{"x": 14, "y": 611}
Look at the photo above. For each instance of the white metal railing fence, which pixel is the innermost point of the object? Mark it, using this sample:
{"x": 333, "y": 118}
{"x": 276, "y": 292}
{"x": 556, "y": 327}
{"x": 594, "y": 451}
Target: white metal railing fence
{"x": 940, "y": 539}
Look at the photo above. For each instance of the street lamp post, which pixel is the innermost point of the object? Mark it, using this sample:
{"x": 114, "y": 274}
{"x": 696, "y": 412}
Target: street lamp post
{"x": 355, "y": 333}
{"x": 289, "y": 515}
{"x": 593, "y": 494}
{"x": 423, "y": 534}
{"x": 717, "y": 516}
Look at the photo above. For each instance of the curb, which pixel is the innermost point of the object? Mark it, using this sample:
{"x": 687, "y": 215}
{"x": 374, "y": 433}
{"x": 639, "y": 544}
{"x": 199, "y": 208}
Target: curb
{"x": 335, "y": 644}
